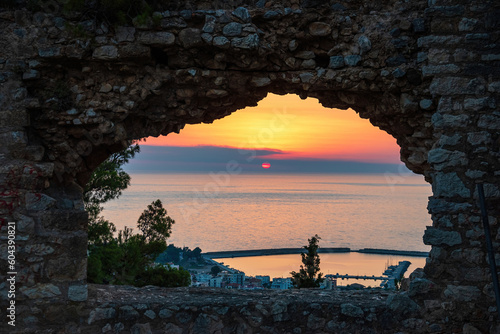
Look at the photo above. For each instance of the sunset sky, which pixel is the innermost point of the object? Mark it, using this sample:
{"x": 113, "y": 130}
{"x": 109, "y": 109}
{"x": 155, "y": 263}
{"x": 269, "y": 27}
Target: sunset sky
{"x": 283, "y": 129}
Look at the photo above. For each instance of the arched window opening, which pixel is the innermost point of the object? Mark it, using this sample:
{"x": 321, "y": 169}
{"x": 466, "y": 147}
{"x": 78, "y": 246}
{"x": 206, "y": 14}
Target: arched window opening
{"x": 271, "y": 176}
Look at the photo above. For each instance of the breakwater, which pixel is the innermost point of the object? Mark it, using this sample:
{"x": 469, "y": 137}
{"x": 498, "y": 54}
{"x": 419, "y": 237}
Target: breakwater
{"x": 389, "y": 278}
{"x": 325, "y": 250}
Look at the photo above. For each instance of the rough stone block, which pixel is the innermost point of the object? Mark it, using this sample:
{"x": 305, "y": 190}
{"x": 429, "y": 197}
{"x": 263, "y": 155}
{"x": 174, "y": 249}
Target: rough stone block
{"x": 305, "y": 54}
{"x": 249, "y": 42}
{"x": 242, "y": 14}
{"x": 190, "y": 38}
{"x": 165, "y": 313}
{"x": 351, "y": 310}
{"x": 475, "y": 37}
{"x": 125, "y": 34}
{"x": 101, "y": 314}
{"x": 209, "y": 26}
{"x": 336, "y": 62}
{"x": 431, "y": 70}
{"x": 490, "y": 191}
{"x": 135, "y": 51}
{"x": 221, "y": 42}
{"x": 462, "y": 293}
{"x": 141, "y": 329}
{"x": 470, "y": 329}
{"x": 173, "y": 329}
{"x": 260, "y": 82}
{"x": 63, "y": 268}
{"x": 401, "y": 304}
{"x": 475, "y": 174}
{"x": 150, "y": 314}
{"x": 216, "y": 93}
{"x": 478, "y": 138}
{"x": 449, "y": 185}
{"x": 456, "y": 86}
{"x": 319, "y": 29}
{"x": 50, "y": 52}
{"x": 444, "y": 158}
{"x": 490, "y": 121}
{"x": 494, "y": 87}
{"x": 232, "y": 29}
{"x": 364, "y": 43}
{"x": 477, "y": 104}
{"x": 106, "y": 52}
{"x": 418, "y": 25}
{"x": 160, "y": 38}
{"x": 173, "y": 22}
{"x": 127, "y": 313}
{"x": 448, "y": 11}
{"x": 436, "y": 237}
{"x": 31, "y": 75}
{"x": 398, "y": 73}
{"x": 78, "y": 293}
{"x": 445, "y": 121}
{"x": 40, "y": 291}
{"x": 428, "y": 41}
{"x": 308, "y": 64}
{"x": 467, "y": 24}
{"x": 426, "y": 104}
{"x": 183, "y": 317}
{"x": 420, "y": 286}
{"x": 352, "y": 60}
{"x": 38, "y": 249}
{"x": 271, "y": 15}
{"x": 306, "y": 77}
{"x": 39, "y": 202}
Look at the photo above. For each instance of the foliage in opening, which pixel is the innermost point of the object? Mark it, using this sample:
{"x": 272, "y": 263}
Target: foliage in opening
{"x": 306, "y": 277}
{"x": 164, "y": 277}
{"x": 185, "y": 257}
{"x": 215, "y": 270}
{"x": 127, "y": 258}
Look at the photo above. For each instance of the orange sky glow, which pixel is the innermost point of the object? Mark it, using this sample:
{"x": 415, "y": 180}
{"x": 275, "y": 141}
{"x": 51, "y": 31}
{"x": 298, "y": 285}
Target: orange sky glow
{"x": 302, "y": 129}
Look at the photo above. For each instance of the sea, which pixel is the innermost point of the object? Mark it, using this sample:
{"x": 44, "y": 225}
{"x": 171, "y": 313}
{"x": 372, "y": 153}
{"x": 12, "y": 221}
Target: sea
{"x": 222, "y": 212}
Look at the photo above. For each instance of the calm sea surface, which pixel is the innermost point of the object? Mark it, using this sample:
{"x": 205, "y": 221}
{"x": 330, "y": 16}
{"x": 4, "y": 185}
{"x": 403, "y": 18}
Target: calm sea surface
{"x": 273, "y": 211}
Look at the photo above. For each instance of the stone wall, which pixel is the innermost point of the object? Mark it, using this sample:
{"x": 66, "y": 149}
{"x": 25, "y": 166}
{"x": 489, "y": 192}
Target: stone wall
{"x": 74, "y": 91}
{"x": 211, "y": 310}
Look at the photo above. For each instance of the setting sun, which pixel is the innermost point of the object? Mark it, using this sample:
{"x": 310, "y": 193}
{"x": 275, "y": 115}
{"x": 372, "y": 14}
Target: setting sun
{"x": 302, "y": 129}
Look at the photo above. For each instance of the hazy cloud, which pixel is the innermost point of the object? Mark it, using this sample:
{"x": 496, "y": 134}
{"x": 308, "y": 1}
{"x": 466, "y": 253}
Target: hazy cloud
{"x": 173, "y": 159}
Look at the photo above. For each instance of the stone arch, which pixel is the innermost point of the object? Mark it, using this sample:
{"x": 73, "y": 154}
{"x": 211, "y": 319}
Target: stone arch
{"x": 425, "y": 72}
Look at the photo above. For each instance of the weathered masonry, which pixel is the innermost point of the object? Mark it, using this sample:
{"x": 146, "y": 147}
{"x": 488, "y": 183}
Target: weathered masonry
{"x": 73, "y": 92}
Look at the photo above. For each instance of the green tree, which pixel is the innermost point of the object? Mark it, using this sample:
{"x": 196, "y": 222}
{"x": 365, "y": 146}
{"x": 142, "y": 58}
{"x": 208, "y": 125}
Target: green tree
{"x": 128, "y": 257}
{"x": 109, "y": 179}
{"x": 306, "y": 277}
{"x": 155, "y": 226}
{"x": 171, "y": 254}
{"x": 103, "y": 263}
{"x": 106, "y": 183}
{"x": 161, "y": 276}
{"x": 196, "y": 253}
{"x": 100, "y": 231}
{"x": 154, "y": 223}
{"x": 215, "y": 270}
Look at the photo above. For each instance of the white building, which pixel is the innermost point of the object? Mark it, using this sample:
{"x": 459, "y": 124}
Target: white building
{"x": 329, "y": 283}
{"x": 282, "y": 283}
{"x": 199, "y": 284}
{"x": 215, "y": 282}
{"x": 203, "y": 277}
{"x": 238, "y": 278}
